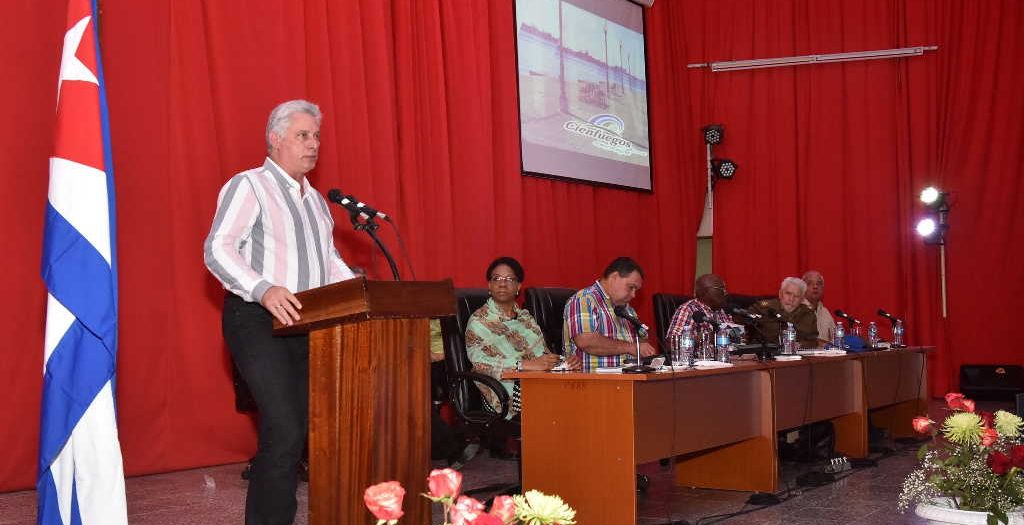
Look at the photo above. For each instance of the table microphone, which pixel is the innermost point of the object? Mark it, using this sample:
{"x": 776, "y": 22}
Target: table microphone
{"x": 888, "y": 316}
{"x": 640, "y": 367}
{"x": 747, "y": 314}
{"x": 844, "y": 315}
{"x": 700, "y": 317}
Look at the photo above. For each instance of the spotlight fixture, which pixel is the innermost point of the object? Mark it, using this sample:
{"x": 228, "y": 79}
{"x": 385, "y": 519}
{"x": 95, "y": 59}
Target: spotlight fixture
{"x": 723, "y": 168}
{"x": 932, "y": 227}
{"x": 929, "y": 195}
{"x": 926, "y": 227}
{"x": 714, "y": 134}
{"x": 934, "y": 199}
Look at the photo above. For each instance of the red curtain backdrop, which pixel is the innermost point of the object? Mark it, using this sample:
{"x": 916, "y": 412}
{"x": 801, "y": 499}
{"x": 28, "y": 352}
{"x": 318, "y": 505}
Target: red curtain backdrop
{"x": 421, "y": 120}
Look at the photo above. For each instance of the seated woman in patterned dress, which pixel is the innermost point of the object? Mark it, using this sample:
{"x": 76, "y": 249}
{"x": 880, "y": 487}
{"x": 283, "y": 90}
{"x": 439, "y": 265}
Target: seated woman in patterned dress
{"x": 501, "y": 336}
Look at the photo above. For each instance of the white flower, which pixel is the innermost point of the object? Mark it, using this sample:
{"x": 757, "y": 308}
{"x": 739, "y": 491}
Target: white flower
{"x": 1007, "y": 424}
{"x": 537, "y": 508}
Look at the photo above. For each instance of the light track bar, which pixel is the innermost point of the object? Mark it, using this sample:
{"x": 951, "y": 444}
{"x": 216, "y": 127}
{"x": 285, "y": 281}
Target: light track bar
{"x": 760, "y": 63}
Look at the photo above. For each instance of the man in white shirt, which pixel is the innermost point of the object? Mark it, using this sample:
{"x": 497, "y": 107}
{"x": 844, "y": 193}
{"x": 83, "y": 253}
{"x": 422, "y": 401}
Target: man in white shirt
{"x": 272, "y": 236}
{"x": 815, "y": 291}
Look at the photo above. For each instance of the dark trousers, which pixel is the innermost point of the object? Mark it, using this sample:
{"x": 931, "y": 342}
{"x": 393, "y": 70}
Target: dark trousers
{"x": 277, "y": 372}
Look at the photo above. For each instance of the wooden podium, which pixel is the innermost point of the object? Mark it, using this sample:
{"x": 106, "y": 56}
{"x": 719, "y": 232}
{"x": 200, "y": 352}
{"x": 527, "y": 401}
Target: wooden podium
{"x": 369, "y": 386}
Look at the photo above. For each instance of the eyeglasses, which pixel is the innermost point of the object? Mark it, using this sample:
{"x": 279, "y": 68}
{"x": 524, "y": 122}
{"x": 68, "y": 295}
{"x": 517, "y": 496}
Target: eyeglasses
{"x": 722, "y": 288}
{"x": 511, "y": 279}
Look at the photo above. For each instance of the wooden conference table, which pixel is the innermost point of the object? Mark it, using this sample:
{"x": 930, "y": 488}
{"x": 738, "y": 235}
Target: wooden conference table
{"x": 584, "y": 434}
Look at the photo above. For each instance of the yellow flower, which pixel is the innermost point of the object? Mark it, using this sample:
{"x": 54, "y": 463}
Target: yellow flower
{"x": 963, "y": 428}
{"x": 1007, "y": 424}
{"x": 537, "y": 508}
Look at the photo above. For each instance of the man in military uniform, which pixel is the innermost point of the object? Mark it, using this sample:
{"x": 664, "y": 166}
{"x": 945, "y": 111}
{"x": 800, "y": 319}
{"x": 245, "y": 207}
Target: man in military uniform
{"x": 790, "y": 306}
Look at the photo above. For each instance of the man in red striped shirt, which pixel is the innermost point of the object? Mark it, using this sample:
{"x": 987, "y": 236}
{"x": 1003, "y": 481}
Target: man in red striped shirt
{"x": 272, "y": 236}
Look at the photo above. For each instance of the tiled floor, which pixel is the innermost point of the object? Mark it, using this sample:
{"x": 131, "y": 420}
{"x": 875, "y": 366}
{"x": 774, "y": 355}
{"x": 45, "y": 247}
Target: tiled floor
{"x": 216, "y": 495}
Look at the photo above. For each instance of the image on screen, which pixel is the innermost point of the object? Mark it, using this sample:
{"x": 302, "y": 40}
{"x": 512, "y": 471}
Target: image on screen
{"x": 583, "y": 91}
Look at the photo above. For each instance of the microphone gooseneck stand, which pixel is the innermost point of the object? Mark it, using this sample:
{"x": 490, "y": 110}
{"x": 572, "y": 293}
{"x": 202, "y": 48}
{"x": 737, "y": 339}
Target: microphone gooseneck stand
{"x": 370, "y": 226}
{"x": 757, "y": 336}
{"x": 639, "y": 367}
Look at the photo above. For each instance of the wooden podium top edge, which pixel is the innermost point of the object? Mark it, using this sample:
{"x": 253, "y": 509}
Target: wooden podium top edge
{"x": 361, "y": 299}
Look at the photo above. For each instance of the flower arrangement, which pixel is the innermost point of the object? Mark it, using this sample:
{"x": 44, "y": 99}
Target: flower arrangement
{"x": 974, "y": 460}
{"x": 384, "y": 501}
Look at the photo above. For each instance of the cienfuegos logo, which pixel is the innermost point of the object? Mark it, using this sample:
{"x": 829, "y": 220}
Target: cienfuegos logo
{"x": 606, "y": 130}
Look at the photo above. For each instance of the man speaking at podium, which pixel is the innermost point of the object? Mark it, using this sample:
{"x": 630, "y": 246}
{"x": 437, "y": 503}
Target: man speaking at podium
{"x": 272, "y": 236}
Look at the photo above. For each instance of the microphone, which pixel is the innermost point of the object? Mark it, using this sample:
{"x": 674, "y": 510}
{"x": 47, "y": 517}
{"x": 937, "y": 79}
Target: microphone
{"x": 844, "y": 315}
{"x": 641, "y": 331}
{"x": 641, "y": 328}
{"x": 700, "y": 317}
{"x": 736, "y": 310}
{"x": 889, "y": 316}
{"x": 353, "y": 205}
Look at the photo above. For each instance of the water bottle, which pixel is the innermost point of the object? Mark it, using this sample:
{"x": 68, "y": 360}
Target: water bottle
{"x": 689, "y": 345}
{"x": 722, "y": 344}
{"x": 897, "y": 334}
{"x": 840, "y": 334}
{"x": 790, "y": 339}
{"x": 872, "y": 334}
{"x": 684, "y": 347}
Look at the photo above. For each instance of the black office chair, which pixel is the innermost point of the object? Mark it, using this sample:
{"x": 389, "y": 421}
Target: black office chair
{"x": 462, "y": 381}
{"x": 547, "y": 306}
{"x": 665, "y": 306}
{"x": 479, "y": 422}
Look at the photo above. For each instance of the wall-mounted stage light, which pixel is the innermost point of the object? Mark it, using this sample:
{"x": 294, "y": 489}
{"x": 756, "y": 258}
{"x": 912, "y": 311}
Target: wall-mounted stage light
{"x": 714, "y": 134}
{"x": 723, "y": 168}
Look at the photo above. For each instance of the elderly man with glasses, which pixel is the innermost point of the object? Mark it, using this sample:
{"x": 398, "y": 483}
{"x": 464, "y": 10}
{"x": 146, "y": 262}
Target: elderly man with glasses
{"x": 790, "y": 305}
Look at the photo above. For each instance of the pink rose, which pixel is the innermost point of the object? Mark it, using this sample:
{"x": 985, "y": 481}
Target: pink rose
{"x": 504, "y": 507}
{"x": 444, "y": 482}
{"x": 998, "y": 462}
{"x": 487, "y": 519}
{"x": 465, "y": 510}
{"x": 921, "y": 424}
{"x": 968, "y": 405}
{"x": 955, "y": 401}
{"x": 384, "y": 500}
{"x": 989, "y": 437}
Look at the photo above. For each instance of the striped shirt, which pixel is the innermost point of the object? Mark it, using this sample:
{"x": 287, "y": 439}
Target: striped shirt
{"x": 266, "y": 233}
{"x": 683, "y": 318}
{"x": 592, "y": 311}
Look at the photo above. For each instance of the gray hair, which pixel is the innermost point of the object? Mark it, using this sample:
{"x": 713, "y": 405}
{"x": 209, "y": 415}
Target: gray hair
{"x": 281, "y": 117}
{"x": 800, "y": 283}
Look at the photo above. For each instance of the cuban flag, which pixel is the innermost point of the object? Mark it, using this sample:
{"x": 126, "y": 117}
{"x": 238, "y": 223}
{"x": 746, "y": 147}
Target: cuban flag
{"x": 81, "y": 479}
